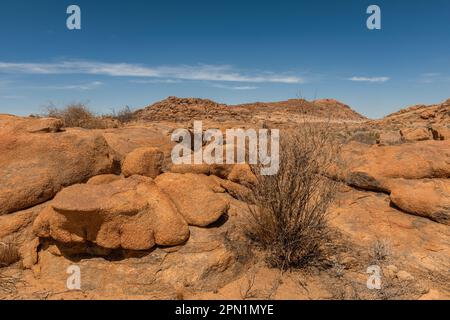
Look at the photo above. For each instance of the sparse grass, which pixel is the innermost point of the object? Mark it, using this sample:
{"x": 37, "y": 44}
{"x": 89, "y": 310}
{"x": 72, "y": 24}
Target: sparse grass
{"x": 9, "y": 253}
{"x": 289, "y": 220}
{"x": 379, "y": 251}
{"x": 367, "y": 137}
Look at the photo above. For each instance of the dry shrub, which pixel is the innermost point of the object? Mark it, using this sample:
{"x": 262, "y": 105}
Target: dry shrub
{"x": 125, "y": 115}
{"x": 379, "y": 251}
{"x": 289, "y": 218}
{"x": 9, "y": 253}
{"x": 76, "y": 115}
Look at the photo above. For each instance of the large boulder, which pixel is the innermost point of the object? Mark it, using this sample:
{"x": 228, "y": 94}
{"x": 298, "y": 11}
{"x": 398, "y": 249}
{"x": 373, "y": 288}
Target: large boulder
{"x": 200, "y": 199}
{"x": 14, "y": 124}
{"x": 242, "y": 174}
{"x": 16, "y": 228}
{"x": 146, "y": 161}
{"x": 416, "y": 134}
{"x": 428, "y": 198}
{"x": 208, "y": 261}
{"x": 129, "y": 213}
{"x": 373, "y": 167}
{"x": 35, "y": 166}
{"x": 127, "y": 139}
{"x": 440, "y": 132}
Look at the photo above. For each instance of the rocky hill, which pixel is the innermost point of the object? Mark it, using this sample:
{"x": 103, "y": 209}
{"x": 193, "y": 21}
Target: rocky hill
{"x": 323, "y": 108}
{"x": 437, "y": 114}
{"x": 186, "y": 109}
{"x": 415, "y": 123}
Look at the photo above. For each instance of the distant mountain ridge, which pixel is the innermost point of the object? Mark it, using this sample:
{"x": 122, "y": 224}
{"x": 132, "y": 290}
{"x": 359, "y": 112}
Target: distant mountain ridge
{"x": 185, "y": 109}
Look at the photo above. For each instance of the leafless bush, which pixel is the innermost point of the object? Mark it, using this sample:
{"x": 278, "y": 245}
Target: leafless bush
{"x": 9, "y": 253}
{"x": 76, "y": 115}
{"x": 289, "y": 219}
{"x": 125, "y": 115}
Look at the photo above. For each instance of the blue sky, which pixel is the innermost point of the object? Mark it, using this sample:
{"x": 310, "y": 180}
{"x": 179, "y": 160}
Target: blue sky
{"x": 136, "y": 52}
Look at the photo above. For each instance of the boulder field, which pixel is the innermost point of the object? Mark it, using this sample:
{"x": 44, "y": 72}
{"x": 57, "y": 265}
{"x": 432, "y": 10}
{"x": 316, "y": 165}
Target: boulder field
{"x": 110, "y": 202}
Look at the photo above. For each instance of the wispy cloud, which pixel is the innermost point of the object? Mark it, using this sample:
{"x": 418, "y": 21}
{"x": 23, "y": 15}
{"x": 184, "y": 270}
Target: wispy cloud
{"x": 369, "y": 79}
{"x": 150, "y": 81}
{"x": 182, "y": 72}
{"x": 81, "y": 86}
{"x": 431, "y": 74}
{"x": 430, "y": 77}
{"x": 221, "y": 86}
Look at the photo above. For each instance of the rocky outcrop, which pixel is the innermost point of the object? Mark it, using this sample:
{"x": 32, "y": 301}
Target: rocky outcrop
{"x": 420, "y": 115}
{"x": 373, "y": 167}
{"x": 428, "y": 198}
{"x": 200, "y": 199}
{"x": 145, "y": 161}
{"x": 129, "y": 213}
{"x": 137, "y": 225}
{"x": 35, "y": 166}
{"x": 416, "y": 134}
{"x": 208, "y": 261}
{"x": 16, "y": 228}
{"x": 18, "y": 125}
{"x": 125, "y": 140}
{"x": 415, "y": 175}
{"x": 242, "y": 174}
{"x": 186, "y": 109}
{"x": 440, "y": 132}
{"x": 415, "y": 243}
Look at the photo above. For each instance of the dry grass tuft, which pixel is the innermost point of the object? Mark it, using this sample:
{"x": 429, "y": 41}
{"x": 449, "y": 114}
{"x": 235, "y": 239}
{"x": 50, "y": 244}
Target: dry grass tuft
{"x": 289, "y": 219}
{"x": 380, "y": 251}
{"x": 9, "y": 253}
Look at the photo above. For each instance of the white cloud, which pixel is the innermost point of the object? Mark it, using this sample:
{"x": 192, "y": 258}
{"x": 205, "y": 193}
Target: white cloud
{"x": 221, "y": 86}
{"x": 81, "y": 86}
{"x": 369, "y": 79}
{"x": 181, "y": 72}
{"x": 167, "y": 81}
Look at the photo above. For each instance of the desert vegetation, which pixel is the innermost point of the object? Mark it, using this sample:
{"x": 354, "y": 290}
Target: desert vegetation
{"x": 80, "y": 115}
{"x": 289, "y": 218}
{"x": 9, "y": 253}
{"x": 167, "y": 231}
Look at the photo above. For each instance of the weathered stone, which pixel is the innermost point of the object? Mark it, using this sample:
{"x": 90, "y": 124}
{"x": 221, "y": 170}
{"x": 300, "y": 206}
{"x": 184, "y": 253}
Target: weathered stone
{"x": 200, "y": 199}
{"x": 427, "y": 198}
{"x": 129, "y": 213}
{"x": 34, "y": 167}
{"x": 145, "y": 161}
